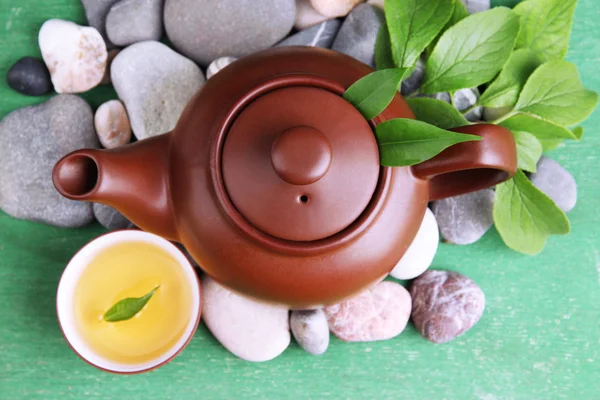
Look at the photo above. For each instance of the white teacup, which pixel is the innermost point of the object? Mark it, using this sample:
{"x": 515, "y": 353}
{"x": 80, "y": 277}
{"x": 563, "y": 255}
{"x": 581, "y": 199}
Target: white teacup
{"x": 70, "y": 278}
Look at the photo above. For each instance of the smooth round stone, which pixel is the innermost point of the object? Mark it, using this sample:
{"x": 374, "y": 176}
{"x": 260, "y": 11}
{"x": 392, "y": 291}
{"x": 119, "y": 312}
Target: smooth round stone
{"x": 320, "y": 35}
{"x": 556, "y": 182}
{"x": 112, "y": 124}
{"x": 155, "y": 83}
{"x": 75, "y": 55}
{"x": 32, "y": 140}
{"x": 415, "y": 79}
{"x": 96, "y": 12}
{"x": 358, "y": 34}
{"x": 218, "y": 65}
{"x": 306, "y": 15}
{"x": 445, "y": 305}
{"x": 475, "y": 6}
{"x": 465, "y": 99}
{"x": 131, "y": 21}
{"x": 207, "y": 30}
{"x": 250, "y": 329}
{"x": 334, "y": 8}
{"x": 110, "y": 218}
{"x": 111, "y": 56}
{"x": 310, "y": 330}
{"x": 466, "y": 218}
{"x": 29, "y": 76}
{"x": 379, "y": 313}
{"x": 420, "y": 253}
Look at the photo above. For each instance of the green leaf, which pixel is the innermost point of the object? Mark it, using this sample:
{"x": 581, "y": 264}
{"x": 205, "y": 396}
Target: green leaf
{"x": 578, "y": 132}
{"x": 374, "y": 92}
{"x": 555, "y": 92}
{"x": 128, "y": 307}
{"x": 550, "y": 144}
{"x": 538, "y": 127}
{"x": 436, "y": 112}
{"x": 383, "y": 49}
{"x": 525, "y": 217}
{"x": 404, "y": 142}
{"x": 460, "y": 13}
{"x": 529, "y": 150}
{"x": 546, "y": 26}
{"x": 505, "y": 89}
{"x": 413, "y": 24}
{"x": 472, "y": 52}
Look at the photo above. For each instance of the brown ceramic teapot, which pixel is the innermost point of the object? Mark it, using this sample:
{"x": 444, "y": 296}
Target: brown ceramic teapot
{"x": 272, "y": 180}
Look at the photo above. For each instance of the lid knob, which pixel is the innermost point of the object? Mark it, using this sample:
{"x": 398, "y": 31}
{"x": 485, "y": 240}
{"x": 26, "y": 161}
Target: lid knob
{"x": 301, "y": 155}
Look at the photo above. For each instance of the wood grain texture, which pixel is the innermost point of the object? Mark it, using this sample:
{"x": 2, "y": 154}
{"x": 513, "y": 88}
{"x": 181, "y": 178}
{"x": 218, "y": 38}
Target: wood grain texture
{"x": 539, "y": 337}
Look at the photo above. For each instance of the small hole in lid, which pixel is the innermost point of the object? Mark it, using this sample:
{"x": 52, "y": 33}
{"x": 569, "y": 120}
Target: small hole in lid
{"x": 304, "y": 199}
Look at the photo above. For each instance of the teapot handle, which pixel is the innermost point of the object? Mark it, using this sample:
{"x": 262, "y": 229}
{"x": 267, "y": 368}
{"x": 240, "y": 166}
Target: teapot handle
{"x": 470, "y": 166}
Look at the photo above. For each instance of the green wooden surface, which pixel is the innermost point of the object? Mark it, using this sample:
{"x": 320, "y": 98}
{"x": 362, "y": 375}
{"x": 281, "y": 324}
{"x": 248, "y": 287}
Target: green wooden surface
{"x": 538, "y": 339}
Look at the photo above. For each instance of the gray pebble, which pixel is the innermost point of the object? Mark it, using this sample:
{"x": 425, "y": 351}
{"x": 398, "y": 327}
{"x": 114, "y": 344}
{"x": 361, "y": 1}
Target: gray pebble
{"x": 207, "y": 30}
{"x": 466, "y": 218}
{"x": 475, "y": 6}
{"x": 556, "y": 182}
{"x": 155, "y": 83}
{"x": 463, "y": 99}
{"x": 358, "y": 33}
{"x": 110, "y": 218}
{"x": 320, "y": 35}
{"x": 218, "y": 65}
{"x": 415, "y": 80}
{"x": 311, "y": 330}
{"x": 32, "y": 140}
{"x": 131, "y": 21}
{"x": 96, "y": 12}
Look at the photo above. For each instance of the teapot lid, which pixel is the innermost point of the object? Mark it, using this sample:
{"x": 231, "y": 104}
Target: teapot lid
{"x": 300, "y": 163}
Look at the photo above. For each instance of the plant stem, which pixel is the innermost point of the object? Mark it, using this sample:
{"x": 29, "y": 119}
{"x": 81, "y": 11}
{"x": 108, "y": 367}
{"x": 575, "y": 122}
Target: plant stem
{"x": 468, "y": 110}
{"x": 413, "y": 94}
{"x": 452, "y": 99}
{"x": 503, "y": 118}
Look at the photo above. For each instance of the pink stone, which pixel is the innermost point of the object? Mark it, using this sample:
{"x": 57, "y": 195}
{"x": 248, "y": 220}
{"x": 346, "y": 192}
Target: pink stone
{"x": 445, "y": 305}
{"x": 379, "y": 313}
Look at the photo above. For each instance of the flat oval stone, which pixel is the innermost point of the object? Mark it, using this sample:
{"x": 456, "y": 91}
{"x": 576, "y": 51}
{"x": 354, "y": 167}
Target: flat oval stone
{"x": 320, "y": 35}
{"x": 131, "y": 21}
{"x": 110, "y": 218}
{"x": 29, "y": 76}
{"x": 95, "y": 13}
{"x": 379, "y": 313}
{"x": 310, "y": 330}
{"x": 306, "y": 15}
{"x": 250, "y": 329}
{"x": 75, "y": 55}
{"x": 445, "y": 305}
{"x": 556, "y": 182}
{"x": 421, "y": 251}
{"x": 112, "y": 124}
{"x": 334, "y": 8}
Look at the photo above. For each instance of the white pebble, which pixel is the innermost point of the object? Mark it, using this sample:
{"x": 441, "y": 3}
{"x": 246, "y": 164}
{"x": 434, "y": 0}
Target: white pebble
{"x": 250, "y": 329}
{"x": 334, "y": 8}
{"x": 75, "y": 55}
{"x": 376, "y": 3}
{"x": 112, "y": 124}
{"x": 419, "y": 255}
{"x": 307, "y": 16}
{"x": 218, "y": 65}
{"x": 311, "y": 330}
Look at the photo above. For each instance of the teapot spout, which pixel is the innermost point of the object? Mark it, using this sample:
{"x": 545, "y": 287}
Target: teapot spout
{"x": 133, "y": 179}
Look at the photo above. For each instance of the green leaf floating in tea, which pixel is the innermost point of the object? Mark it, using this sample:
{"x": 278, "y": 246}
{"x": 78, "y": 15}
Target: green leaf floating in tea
{"x": 128, "y": 307}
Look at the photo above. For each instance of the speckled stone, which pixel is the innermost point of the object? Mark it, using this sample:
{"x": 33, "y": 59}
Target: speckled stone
{"x": 307, "y": 16}
{"x": 379, "y": 313}
{"x": 132, "y": 21}
{"x": 207, "y": 30}
{"x": 445, "y": 305}
{"x": 556, "y": 182}
{"x": 218, "y": 65}
{"x": 250, "y": 329}
{"x": 29, "y": 76}
{"x": 96, "y": 12}
{"x": 466, "y": 218}
{"x": 334, "y": 8}
{"x": 320, "y": 35}
{"x": 112, "y": 124}
{"x": 358, "y": 34}
{"x": 110, "y": 218}
{"x": 155, "y": 83}
{"x": 75, "y": 55}
{"x": 32, "y": 140}
{"x": 310, "y": 329}
{"x": 421, "y": 251}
